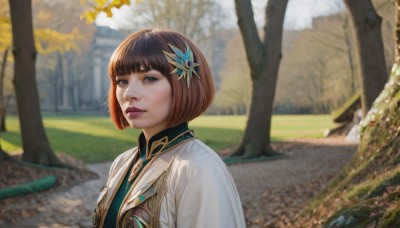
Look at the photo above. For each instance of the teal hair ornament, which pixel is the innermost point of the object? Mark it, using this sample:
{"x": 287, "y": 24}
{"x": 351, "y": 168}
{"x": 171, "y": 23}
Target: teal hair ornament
{"x": 183, "y": 62}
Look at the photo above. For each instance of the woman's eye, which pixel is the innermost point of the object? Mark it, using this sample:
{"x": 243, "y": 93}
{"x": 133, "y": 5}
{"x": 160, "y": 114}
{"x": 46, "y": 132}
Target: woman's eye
{"x": 121, "y": 82}
{"x": 150, "y": 79}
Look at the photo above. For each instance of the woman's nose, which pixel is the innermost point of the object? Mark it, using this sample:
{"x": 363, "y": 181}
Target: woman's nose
{"x": 132, "y": 91}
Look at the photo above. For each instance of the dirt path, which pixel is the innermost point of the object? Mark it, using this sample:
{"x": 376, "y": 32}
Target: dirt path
{"x": 271, "y": 191}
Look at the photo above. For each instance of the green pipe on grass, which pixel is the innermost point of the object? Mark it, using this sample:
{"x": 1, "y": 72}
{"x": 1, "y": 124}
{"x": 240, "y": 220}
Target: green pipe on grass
{"x": 29, "y": 187}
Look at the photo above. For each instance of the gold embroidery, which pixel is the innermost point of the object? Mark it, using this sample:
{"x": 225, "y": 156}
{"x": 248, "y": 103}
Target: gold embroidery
{"x": 137, "y": 218}
{"x": 99, "y": 210}
{"x": 161, "y": 142}
{"x": 146, "y": 212}
{"x": 121, "y": 215}
{"x": 143, "y": 197}
{"x": 164, "y": 143}
{"x": 102, "y": 207}
{"x": 135, "y": 170}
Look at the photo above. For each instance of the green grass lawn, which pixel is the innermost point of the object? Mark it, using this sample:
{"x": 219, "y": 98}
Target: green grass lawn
{"x": 95, "y": 139}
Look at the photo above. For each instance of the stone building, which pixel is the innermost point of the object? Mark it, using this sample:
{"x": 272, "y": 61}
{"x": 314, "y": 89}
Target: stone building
{"x": 105, "y": 41}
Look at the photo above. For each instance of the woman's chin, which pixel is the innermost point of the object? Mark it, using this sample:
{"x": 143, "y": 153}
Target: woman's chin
{"x": 133, "y": 125}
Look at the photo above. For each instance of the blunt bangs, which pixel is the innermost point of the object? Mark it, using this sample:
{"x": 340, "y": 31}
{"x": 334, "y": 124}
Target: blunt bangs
{"x": 143, "y": 51}
{"x": 138, "y": 53}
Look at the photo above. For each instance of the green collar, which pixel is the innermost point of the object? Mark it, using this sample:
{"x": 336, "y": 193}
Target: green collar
{"x": 164, "y": 139}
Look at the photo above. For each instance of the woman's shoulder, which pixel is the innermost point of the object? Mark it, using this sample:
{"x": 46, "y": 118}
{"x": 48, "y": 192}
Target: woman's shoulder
{"x": 196, "y": 164}
{"x": 122, "y": 158}
{"x": 195, "y": 153}
{"x": 125, "y": 155}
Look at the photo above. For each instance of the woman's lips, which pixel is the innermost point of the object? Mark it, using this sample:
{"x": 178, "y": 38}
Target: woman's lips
{"x": 133, "y": 112}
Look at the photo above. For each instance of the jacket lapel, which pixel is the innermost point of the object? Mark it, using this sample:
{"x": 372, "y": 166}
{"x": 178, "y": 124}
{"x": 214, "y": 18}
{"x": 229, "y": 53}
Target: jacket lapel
{"x": 141, "y": 190}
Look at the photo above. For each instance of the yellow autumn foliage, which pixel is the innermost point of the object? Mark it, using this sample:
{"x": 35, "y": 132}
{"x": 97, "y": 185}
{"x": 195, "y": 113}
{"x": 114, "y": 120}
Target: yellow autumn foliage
{"x": 47, "y": 41}
{"x": 97, "y": 6}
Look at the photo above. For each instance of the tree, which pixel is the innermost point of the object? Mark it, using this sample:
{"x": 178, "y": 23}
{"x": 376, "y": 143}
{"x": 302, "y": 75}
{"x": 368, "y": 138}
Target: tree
{"x": 72, "y": 80}
{"x": 63, "y": 17}
{"x": 369, "y": 181}
{"x": 4, "y": 99}
{"x": 346, "y": 37}
{"x": 313, "y": 77}
{"x": 47, "y": 42}
{"x": 54, "y": 76}
{"x": 104, "y": 6}
{"x": 328, "y": 40}
{"x": 370, "y": 55}
{"x": 3, "y": 105}
{"x": 5, "y": 88}
{"x": 3, "y": 155}
{"x": 233, "y": 94}
{"x": 385, "y": 9}
{"x": 264, "y": 58}
{"x": 201, "y": 20}
{"x": 35, "y": 143}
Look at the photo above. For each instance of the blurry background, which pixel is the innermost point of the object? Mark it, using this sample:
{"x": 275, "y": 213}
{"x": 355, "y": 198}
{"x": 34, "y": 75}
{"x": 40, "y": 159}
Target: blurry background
{"x": 317, "y": 75}
{"x": 317, "y": 72}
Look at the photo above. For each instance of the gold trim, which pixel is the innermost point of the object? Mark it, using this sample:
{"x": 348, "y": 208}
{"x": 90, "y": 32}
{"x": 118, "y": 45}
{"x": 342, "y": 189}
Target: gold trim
{"x": 161, "y": 142}
{"x": 144, "y": 171}
{"x": 135, "y": 169}
{"x": 164, "y": 142}
{"x": 155, "y": 203}
{"x": 105, "y": 209}
{"x": 152, "y": 203}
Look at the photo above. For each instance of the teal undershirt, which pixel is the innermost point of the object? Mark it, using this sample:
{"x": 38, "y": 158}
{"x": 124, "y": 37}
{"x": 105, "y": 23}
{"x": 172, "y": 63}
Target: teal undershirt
{"x": 120, "y": 195}
{"x": 111, "y": 218}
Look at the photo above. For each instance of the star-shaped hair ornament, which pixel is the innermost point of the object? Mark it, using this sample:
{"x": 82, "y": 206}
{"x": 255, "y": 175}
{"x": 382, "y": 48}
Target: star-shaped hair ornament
{"x": 183, "y": 62}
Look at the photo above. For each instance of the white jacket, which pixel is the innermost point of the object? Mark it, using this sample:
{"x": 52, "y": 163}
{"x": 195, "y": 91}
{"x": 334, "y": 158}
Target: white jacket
{"x": 187, "y": 185}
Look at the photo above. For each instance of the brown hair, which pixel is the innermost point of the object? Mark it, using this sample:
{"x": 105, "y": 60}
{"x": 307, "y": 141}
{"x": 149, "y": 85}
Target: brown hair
{"x": 143, "y": 51}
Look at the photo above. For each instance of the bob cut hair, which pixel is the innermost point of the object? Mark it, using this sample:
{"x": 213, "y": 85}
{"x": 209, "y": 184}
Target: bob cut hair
{"x": 143, "y": 51}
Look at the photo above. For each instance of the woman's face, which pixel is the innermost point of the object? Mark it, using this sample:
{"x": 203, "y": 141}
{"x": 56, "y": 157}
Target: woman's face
{"x": 145, "y": 100}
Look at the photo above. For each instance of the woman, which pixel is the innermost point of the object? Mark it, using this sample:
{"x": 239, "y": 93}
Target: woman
{"x": 159, "y": 82}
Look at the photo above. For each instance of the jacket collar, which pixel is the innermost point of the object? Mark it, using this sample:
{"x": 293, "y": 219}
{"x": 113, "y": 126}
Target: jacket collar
{"x": 164, "y": 140}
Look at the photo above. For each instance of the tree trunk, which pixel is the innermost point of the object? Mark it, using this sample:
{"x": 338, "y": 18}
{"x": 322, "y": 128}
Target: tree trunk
{"x": 375, "y": 163}
{"x": 369, "y": 46}
{"x": 55, "y": 105}
{"x": 35, "y": 143}
{"x": 3, "y": 127}
{"x": 57, "y": 73}
{"x": 71, "y": 92}
{"x": 3, "y": 155}
{"x": 3, "y": 115}
{"x": 397, "y": 32}
{"x": 3, "y": 105}
{"x": 264, "y": 58}
{"x": 71, "y": 82}
{"x": 350, "y": 56}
